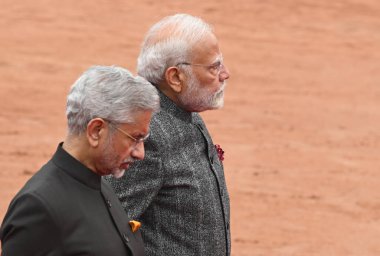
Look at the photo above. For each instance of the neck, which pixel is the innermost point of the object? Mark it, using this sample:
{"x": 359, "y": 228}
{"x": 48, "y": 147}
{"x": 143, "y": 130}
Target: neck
{"x": 78, "y": 148}
{"x": 172, "y": 95}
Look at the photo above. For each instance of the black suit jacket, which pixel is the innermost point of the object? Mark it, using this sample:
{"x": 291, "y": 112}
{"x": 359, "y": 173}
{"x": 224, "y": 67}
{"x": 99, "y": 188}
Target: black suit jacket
{"x": 66, "y": 209}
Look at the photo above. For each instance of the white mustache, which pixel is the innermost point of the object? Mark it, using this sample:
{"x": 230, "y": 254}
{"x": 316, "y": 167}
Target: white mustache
{"x": 223, "y": 86}
{"x": 129, "y": 160}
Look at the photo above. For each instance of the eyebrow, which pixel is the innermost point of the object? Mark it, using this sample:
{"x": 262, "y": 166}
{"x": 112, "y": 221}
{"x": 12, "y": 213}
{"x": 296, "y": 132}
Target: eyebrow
{"x": 219, "y": 58}
{"x": 142, "y": 135}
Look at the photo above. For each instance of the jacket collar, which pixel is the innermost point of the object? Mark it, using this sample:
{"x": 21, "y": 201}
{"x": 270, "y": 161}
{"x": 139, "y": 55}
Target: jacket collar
{"x": 76, "y": 169}
{"x": 170, "y": 107}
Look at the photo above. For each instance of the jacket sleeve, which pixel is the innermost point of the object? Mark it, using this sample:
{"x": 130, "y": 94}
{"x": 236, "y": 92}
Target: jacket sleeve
{"x": 141, "y": 182}
{"x": 28, "y": 228}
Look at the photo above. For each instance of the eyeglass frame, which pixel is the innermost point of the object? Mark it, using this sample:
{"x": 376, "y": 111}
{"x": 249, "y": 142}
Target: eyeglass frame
{"x": 137, "y": 141}
{"x": 216, "y": 65}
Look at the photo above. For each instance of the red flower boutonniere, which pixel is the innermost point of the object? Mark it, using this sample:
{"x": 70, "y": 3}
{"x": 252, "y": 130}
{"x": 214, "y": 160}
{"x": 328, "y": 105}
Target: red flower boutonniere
{"x": 220, "y": 152}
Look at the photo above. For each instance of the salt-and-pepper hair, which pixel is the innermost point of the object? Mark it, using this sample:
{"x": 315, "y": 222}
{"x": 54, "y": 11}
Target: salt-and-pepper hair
{"x": 111, "y": 93}
{"x": 168, "y": 43}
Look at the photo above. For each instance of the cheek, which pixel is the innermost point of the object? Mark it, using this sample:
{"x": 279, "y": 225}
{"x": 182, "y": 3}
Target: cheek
{"x": 208, "y": 79}
{"x": 210, "y": 82}
{"x": 215, "y": 86}
{"x": 124, "y": 150}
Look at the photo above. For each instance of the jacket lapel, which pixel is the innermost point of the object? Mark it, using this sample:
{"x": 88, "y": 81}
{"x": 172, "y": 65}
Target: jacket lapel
{"x": 132, "y": 240}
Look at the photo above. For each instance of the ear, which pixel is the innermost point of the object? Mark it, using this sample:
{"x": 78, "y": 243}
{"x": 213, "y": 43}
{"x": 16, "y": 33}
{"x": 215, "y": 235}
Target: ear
{"x": 95, "y": 131}
{"x": 174, "y": 78}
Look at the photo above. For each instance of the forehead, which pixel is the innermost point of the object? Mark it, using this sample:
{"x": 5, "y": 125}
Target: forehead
{"x": 206, "y": 50}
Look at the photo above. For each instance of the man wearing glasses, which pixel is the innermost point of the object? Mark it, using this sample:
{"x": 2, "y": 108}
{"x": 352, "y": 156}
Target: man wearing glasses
{"x": 179, "y": 191}
{"x": 66, "y": 208}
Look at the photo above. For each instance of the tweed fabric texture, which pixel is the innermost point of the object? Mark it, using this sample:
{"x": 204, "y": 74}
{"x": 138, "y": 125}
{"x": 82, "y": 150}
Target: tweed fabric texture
{"x": 178, "y": 191}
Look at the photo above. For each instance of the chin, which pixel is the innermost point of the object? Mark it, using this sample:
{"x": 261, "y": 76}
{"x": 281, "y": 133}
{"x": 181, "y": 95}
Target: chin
{"x": 118, "y": 173}
{"x": 218, "y": 103}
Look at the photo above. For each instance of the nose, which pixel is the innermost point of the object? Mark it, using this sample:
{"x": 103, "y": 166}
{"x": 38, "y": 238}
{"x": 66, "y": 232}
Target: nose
{"x": 138, "y": 151}
{"x": 224, "y": 73}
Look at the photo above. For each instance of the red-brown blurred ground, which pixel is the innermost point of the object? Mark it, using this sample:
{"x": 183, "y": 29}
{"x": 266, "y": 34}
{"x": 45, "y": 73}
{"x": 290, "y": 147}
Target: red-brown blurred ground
{"x": 300, "y": 126}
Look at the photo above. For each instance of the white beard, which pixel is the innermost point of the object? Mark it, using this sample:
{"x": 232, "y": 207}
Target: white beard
{"x": 118, "y": 173}
{"x": 197, "y": 98}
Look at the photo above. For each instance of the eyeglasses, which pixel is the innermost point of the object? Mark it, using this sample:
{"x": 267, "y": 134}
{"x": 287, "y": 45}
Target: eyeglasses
{"x": 214, "y": 68}
{"x": 137, "y": 141}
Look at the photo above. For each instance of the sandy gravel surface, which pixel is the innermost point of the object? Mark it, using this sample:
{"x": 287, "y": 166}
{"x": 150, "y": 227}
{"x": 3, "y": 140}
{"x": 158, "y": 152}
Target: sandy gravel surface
{"x": 300, "y": 127}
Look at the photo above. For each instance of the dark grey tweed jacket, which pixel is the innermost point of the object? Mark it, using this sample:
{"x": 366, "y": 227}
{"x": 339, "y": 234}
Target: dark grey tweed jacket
{"x": 178, "y": 191}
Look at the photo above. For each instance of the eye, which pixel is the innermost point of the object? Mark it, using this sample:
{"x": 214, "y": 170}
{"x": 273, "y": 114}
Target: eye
{"x": 216, "y": 65}
{"x": 142, "y": 138}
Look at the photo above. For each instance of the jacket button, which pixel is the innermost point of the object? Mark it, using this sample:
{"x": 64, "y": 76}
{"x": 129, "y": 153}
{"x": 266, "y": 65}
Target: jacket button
{"x": 125, "y": 237}
{"x": 109, "y": 203}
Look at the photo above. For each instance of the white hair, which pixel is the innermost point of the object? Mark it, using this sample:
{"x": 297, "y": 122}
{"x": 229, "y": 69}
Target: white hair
{"x": 168, "y": 43}
{"x": 111, "y": 93}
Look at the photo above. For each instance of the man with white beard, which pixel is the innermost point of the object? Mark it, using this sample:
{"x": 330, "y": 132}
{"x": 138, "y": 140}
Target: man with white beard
{"x": 178, "y": 191}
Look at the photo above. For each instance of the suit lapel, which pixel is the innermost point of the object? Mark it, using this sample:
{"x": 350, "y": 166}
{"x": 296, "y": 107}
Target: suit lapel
{"x": 132, "y": 240}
